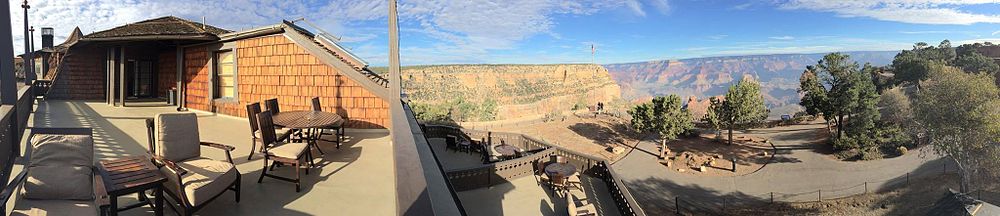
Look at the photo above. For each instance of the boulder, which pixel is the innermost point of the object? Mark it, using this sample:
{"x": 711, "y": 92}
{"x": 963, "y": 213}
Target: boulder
{"x": 702, "y": 169}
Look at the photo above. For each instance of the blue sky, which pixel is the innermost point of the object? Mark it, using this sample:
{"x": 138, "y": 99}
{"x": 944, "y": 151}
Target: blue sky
{"x": 559, "y": 31}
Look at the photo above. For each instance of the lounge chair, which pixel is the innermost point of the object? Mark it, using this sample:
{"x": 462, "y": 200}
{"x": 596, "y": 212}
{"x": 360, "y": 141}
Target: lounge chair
{"x": 192, "y": 180}
{"x": 280, "y": 152}
{"x": 60, "y": 177}
{"x": 252, "y": 111}
{"x": 581, "y": 208}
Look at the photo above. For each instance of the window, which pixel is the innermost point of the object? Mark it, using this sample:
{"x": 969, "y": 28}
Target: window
{"x": 225, "y": 74}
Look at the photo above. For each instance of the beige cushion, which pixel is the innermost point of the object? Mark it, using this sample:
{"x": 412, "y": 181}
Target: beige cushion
{"x": 177, "y": 136}
{"x": 60, "y": 168}
{"x": 205, "y": 179}
{"x": 28, "y": 207}
{"x": 278, "y": 133}
{"x": 289, "y": 150}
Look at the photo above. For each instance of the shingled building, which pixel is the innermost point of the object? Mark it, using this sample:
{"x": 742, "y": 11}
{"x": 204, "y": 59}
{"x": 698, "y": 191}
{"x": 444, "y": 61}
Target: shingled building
{"x": 218, "y": 70}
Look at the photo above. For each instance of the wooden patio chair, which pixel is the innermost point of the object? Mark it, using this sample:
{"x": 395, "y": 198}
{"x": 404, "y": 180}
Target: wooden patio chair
{"x": 290, "y": 154}
{"x": 192, "y": 180}
{"x": 272, "y": 105}
{"x": 576, "y": 208}
{"x": 451, "y": 142}
{"x": 338, "y": 129}
{"x": 540, "y": 172}
{"x": 59, "y": 177}
{"x": 252, "y": 111}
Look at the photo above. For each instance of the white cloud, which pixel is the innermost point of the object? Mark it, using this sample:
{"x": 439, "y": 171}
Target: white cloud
{"x": 798, "y": 45}
{"x": 718, "y": 37}
{"x": 996, "y": 33}
{"x": 906, "y": 11}
{"x": 925, "y": 32}
{"x": 459, "y": 28}
{"x": 786, "y": 37}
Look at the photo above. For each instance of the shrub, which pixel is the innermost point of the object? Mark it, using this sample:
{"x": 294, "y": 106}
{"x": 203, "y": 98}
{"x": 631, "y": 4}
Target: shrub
{"x": 870, "y": 154}
{"x": 847, "y": 154}
{"x": 901, "y": 150}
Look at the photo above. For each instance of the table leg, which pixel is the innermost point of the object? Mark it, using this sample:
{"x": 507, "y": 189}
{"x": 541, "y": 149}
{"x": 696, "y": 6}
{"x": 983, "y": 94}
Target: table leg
{"x": 158, "y": 207}
{"x": 113, "y": 208}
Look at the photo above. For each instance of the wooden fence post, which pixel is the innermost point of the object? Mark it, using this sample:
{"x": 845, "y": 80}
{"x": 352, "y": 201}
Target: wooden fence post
{"x": 677, "y": 205}
{"x": 820, "y": 195}
{"x": 866, "y": 187}
{"x": 772, "y": 197}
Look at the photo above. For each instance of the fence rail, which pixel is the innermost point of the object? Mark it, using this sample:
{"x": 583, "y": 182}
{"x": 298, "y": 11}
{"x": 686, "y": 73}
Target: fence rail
{"x": 502, "y": 172}
{"x": 13, "y": 122}
{"x": 692, "y": 204}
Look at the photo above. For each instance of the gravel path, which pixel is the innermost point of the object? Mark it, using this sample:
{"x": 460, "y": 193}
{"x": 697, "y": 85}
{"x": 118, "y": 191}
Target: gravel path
{"x": 798, "y": 173}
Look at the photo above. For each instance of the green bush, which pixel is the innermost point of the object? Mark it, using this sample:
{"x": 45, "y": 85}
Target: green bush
{"x": 870, "y": 154}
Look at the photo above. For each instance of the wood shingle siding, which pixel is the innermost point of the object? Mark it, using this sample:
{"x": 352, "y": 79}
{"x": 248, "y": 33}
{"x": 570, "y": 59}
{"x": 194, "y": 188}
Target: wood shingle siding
{"x": 81, "y": 75}
{"x": 196, "y": 73}
{"x": 275, "y": 67}
{"x": 166, "y": 72}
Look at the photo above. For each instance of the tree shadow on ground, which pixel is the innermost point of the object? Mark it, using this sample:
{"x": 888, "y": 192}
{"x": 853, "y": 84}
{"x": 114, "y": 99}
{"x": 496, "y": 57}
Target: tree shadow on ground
{"x": 598, "y": 133}
{"x": 662, "y": 197}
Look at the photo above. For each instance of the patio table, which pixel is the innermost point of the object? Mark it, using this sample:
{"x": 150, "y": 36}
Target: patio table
{"x": 506, "y": 150}
{"x": 133, "y": 174}
{"x": 307, "y": 119}
{"x": 560, "y": 169}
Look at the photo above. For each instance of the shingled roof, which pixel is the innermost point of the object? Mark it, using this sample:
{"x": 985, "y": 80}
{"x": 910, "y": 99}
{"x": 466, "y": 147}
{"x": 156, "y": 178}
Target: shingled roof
{"x": 168, "y": 27}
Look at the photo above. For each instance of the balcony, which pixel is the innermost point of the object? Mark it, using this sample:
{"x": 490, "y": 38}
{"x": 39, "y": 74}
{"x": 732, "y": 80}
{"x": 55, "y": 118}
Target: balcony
{"x": 357, "y": 179}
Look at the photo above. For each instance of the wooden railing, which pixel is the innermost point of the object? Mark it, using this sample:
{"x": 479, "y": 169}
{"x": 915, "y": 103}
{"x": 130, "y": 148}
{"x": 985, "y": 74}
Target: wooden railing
{"x": 13, "y": 122}
{"x": 502, "y": 172}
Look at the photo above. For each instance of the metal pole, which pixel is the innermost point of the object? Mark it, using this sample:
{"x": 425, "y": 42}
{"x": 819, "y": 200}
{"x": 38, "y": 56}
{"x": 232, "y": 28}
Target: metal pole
{"x": 27, "y": 48}
{"x": 772, "y": 197}
{"x": 866, "y": 187}
{"x": 29, "y": 77}
{"x": 8, "y": 82}
{"x": 677, "y": 204}
{"x": 821, "y": 195}
{"x": 907, "y": 179}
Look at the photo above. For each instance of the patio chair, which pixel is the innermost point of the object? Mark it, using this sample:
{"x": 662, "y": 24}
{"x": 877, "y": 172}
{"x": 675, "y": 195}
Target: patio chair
{"x": 540, "y": 172}
{"x": 573, "y": 181}
{"x": 338, "y": 129}
{"x": 252, "y": 111}
{"x": 272, "y": 105}
{"x": 579, "y": 208}
{"x": 60, "y": 177}
{"x": 192, "y": 180}
{"x": 451, "y": 142}
{"x": 280, "y": 152}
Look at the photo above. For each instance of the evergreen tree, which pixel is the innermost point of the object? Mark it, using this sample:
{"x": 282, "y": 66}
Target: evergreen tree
{"x": 663, "y": 116}
{"x": 742, "y": 108}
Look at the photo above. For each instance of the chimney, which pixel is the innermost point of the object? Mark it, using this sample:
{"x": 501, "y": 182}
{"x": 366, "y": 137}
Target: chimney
{"x": 47, "y": 37}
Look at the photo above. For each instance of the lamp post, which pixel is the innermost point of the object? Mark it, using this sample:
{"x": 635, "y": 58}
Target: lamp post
{"x": 31, "y": 43}
{"x": 28, "y": 58}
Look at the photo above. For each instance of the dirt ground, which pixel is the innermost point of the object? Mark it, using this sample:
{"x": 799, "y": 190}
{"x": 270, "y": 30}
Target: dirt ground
{"x": 584, "y": 133}
{"x": 594, "y": 135}
{"x": 916, "y": 199}
{"x": 690, "y": 153}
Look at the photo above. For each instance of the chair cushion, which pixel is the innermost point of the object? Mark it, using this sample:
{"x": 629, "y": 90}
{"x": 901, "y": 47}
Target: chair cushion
{"x": 288, "y": 150}
{"x": 205, "y": 179}
{"x": 28, "y": 207}
{"x": 60, "y": 168}
{"x": 278, "y": 132}
{"x": 177, "y": 136}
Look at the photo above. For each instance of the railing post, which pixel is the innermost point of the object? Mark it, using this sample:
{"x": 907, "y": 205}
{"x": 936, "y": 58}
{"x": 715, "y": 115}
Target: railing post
{"x": 677, "y": 205}
{"x": 8, "y": 83}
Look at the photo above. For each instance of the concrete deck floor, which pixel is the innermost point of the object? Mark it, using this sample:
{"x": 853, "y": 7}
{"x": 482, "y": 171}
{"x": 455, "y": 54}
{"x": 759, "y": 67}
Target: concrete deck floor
{"x": 522, "y": 196}
{"x": 357, "y": 179}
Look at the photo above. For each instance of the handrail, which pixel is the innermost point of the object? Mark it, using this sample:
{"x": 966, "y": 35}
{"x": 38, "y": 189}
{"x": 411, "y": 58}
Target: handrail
{"x": 13, "y": 122}
{"x": 501, "y": 172}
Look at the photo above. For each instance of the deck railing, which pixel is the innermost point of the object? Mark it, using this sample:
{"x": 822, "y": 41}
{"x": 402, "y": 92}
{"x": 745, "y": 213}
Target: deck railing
{"x": 502, "y": 172}
{"x": 13, "y": 122}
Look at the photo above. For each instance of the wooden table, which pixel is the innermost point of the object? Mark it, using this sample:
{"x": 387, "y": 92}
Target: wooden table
{"x": 560, "y": 169}
{"x": 307, "y": 119}
{"x": 134, "y": 174}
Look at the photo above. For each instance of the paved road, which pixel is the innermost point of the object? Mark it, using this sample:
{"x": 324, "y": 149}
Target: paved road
{"x": 796, "y": 174}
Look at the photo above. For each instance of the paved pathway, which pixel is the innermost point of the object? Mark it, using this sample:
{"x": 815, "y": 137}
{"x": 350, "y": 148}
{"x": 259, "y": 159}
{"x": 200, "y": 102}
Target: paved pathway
{"x": 796, "y": 174}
